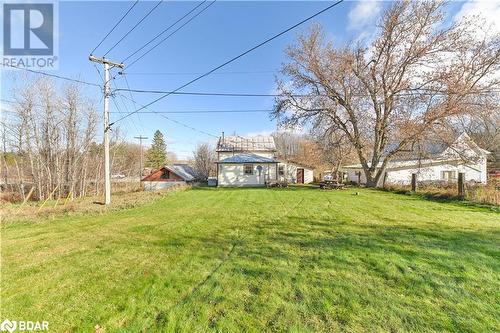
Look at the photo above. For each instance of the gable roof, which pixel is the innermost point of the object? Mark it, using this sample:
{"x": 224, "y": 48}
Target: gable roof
{"x": 248, "y": 158}
{"x": 239, "y": 143}
{"x": 436, "y": 148}
{"x": 429, "y": 152}
{"x": 184, "y": 171}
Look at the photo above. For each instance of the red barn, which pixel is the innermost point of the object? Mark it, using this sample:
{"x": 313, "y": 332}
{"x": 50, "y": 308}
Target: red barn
{"x": 169, "y": 175}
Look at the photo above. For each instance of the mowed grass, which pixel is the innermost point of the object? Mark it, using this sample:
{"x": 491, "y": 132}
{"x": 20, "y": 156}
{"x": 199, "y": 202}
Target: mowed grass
{"x": 228, "y": 260}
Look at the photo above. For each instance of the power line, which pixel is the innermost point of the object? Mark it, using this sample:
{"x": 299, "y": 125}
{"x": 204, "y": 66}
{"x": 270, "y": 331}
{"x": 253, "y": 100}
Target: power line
{"x": 198, "y": 73}
{"x": 53, "y": 75}
{"x": 120, "y": 111}
{"x": 208, "y": 111}
{"x": 171, "y": 34}
{"x": 200, "y": 93}
{"x": 133, "y": 28}
{"x": 236, "y": 57}
{"x": 162, "y": 32}
{"x": 173, "y": 120}
{"x": 117, "y": 23}
{"x": 227, "y": 94}
{"x": 132, "y": 97}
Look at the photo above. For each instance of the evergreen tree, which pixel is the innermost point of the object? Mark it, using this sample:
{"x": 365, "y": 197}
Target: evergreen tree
{"x": 157, "y": 154}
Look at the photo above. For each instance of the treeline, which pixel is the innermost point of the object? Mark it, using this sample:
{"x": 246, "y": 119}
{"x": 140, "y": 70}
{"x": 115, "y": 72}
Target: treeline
{"x": 51, "y": 142}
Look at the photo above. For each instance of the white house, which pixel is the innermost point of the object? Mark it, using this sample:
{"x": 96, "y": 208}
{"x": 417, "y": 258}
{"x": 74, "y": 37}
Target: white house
{"x": 439, "y": 162}
{"x": 252, "y": 162}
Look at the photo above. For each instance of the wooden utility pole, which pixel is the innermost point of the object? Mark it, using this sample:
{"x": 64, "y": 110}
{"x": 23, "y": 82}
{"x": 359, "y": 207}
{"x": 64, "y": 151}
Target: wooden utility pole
{"x": 107, "y": 171}
{"x": 140, "y": 138}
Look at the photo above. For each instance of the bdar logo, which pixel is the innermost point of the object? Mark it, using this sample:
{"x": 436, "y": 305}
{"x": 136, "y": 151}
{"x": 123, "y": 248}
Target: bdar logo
{"x": 8, "y": 325}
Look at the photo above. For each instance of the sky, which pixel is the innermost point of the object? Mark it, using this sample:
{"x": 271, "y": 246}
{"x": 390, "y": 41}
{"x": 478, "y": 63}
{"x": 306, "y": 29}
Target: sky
{"x": 221, "y": 32}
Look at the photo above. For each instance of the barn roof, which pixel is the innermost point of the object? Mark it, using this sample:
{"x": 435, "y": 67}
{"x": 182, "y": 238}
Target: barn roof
{"x": 239, "y": 143}
{"x": 184, "y": 171}
{"x": 247, "y": 158}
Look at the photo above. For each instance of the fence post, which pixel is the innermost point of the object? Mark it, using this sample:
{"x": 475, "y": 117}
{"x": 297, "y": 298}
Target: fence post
{"x": 359, "y": 178}
{"x": 413, "y": 182}
{"x": 461, "y": 185}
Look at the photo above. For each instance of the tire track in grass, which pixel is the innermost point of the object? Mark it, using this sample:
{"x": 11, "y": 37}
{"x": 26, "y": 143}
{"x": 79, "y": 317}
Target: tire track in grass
{"x": 161, "y": 317}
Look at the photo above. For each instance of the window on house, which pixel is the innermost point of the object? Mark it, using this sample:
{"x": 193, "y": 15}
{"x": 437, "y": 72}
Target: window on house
{"x": 166, "y": 174}
{"x": 281, "y": 170}
{"x": 448, "y": 175}
{"x": 248, "y": 169}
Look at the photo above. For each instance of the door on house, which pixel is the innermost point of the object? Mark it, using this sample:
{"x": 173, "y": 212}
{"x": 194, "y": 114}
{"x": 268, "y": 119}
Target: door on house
{"x": 300, "y": 176}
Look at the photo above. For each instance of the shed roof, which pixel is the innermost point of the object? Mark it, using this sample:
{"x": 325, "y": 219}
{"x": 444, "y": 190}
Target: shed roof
{"x": 239, "y": 143}
{"x": 248, "y": 158}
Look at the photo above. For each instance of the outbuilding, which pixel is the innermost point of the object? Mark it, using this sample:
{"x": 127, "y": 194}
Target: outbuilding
{"x": 168, "y": 176}
{"x": 295, "y": 173}
{"x": 441, "y": 163}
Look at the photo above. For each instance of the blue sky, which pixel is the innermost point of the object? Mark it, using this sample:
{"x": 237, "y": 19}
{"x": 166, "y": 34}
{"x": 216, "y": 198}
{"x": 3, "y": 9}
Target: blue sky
{"x": 224, "y": 30}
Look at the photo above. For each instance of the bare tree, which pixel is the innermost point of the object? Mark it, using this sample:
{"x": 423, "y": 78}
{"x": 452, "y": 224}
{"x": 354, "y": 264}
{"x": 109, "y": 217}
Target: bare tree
{"x": 386, "y": 96}
{"x": 52, "y": 130}
{"x": 287, "y": 143}
{"x": 204, "y": 160}
{"x": 335, "y": 147}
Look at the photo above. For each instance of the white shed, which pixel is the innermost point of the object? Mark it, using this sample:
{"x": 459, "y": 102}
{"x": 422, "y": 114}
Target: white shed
{"x": 295, "y": 173}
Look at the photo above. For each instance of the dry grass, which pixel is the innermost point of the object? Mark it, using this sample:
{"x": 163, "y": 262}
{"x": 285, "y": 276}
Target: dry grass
{"x": 483, "y": 194}
{"x": 34, "y": 211}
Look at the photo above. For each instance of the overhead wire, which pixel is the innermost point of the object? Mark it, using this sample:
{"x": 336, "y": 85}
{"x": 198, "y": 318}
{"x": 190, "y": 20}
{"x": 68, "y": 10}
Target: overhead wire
{"x": 170, "y": 35}
{"x": 133, "y": 28}
{"x": 163, "y": 31}
{"x": 53, "y": 75}
{"x": 114, "y": 27}
{"x": 235, "y": 58}
{"x": 173, "y": 120}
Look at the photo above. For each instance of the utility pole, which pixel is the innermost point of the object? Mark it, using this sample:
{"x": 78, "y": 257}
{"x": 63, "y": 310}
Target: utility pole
{"x": 140, "y": 138}
{"x": 107, "y": 172}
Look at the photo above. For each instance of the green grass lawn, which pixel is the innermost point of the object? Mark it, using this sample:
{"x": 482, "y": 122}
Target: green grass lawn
{"x": 299, "y": 260}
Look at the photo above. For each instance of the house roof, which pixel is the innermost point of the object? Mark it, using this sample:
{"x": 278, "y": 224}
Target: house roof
{"x": 433, "y": 148}
{"x": 248, "y": 158}
{"x": 184, "y": 171}
{"x": 239, "y": 143}
{"x": 432, "y": 152}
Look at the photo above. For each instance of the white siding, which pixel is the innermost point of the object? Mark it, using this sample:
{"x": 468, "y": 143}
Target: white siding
{"x": 153, "y": 186}
{"x": 473, "y": 172}
{"x": 290, "y": 173}
{"x": 353, "y": 177}
{"x": 233, "y": 174}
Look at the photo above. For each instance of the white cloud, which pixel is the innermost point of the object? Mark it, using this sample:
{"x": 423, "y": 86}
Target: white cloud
{"x": 364, "y": 13}
{"x": 487, "y": 10}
